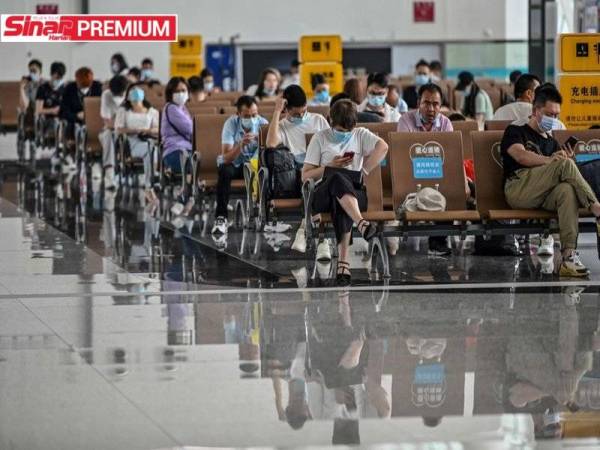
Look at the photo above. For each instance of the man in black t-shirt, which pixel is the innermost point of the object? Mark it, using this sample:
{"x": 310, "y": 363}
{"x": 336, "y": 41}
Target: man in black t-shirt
{"x": 48, "y": 98}
{"x": 538, "y": 173}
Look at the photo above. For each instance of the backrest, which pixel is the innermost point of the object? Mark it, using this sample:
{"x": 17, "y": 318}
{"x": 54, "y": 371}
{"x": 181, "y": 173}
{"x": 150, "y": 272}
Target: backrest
{"x": 319, "y": 109}
{"x": 497, "y": 125}
{"x": 465, "y": 127}
{"x": 495, "y": 94}
{"x": 207, "y": 140}
{"x": 93, "y": 122}
{"x": 262, "y": 136}
{"x": 199, "y": 108}
{"x": 489, "y": 174}
{"x": 9, "y": 102}
{"x": 588, "y": 143}
{"x": 383, "y": 129}
{"x": 229, "y": 110}
{"x": 218, "y": 103}
{"x": 428, "y": 159}
{"x": 230, "y": 95}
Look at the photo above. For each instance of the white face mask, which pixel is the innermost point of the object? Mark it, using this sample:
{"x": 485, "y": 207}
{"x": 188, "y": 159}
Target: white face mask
{"x": 85, "y": 90}
{"x": 118, "y": 99}
{"x": 180, "y": 98}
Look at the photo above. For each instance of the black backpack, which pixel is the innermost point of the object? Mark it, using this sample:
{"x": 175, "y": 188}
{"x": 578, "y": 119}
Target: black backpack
{"x": 284, "y": 181}
{"x": 590, "y": 171}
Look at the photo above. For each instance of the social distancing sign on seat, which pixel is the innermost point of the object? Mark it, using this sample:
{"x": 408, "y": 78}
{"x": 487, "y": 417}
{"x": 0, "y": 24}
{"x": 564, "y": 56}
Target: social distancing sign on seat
{"x": 427, "y": 161}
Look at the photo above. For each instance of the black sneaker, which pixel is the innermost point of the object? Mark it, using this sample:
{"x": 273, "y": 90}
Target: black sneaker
{"x": 438, "y": 246}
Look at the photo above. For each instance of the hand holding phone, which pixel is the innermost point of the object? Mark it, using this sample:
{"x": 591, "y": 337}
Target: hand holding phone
{"x": 349, "y": 155}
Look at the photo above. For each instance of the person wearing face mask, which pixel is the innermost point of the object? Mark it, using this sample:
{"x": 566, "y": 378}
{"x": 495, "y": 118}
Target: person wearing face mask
{"x": 435, "y": 67}
{"x": 475, "y": 102}
{"x": 291, "y": 133}
{"x": 118, "y": 65}
{"x": 48, "y": 98}
{"x": 293, "y": 76}
{"x": 110, "y": 101}
{"x": 138, "y": 121}
{"x": 208, "y": 81}
{"x": 520, "y": 110}
{"x": 29, "y": 86}
{"x": 428, "y": 118}
{"x": 377, "y": 91}
{"x": 538, "y": 173}
{"x": 359, "y": 151}
{"x": 422, "y": 77}
{"x": 395, "y": 100}
{"x": 147, "y": 72}
{"x": 134, "y": 75}
{"x": 267, "y": 88}
{"x": 197, "y": 92}
{"x": 239, "y": 142}
{"x": 321, "y": 90}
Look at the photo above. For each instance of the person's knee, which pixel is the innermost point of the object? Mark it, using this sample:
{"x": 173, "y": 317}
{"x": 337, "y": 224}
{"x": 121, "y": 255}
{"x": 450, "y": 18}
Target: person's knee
{"x": 565, "y": 192}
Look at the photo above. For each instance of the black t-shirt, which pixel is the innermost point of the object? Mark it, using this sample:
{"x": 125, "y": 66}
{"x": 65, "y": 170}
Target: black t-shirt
{"x": 531, "y": 140}
{"x": 51, "y": 97}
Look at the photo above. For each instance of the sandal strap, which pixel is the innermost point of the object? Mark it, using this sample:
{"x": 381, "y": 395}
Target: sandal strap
{"x": 343, "y": 263}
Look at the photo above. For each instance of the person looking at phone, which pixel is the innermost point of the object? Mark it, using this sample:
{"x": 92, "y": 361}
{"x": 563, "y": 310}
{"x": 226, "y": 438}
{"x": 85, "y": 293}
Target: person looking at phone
{"x": 539, "y": 173}
{"x": 30, "y": 84}
{"x": 339, "y": 192}
{"x": 239, "y": 143}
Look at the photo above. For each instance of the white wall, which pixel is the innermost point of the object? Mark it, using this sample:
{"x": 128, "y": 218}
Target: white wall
{"x": 258, "y": 21}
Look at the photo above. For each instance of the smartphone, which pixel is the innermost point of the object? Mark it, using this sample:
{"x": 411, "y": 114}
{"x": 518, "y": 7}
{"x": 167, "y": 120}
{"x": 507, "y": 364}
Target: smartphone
{"x": 572, "y": 142}
{"x": 349, "y": 155}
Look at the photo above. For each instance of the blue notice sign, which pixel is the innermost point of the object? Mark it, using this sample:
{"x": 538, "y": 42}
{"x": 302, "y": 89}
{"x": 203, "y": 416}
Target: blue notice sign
{"x": 585, "y": 157}
{"x": 429, "y": 374}
{"x": 428, "y": 168}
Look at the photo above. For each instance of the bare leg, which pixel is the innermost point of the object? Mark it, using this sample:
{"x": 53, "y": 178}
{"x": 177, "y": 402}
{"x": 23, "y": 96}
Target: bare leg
{"x": 350, "y": 205}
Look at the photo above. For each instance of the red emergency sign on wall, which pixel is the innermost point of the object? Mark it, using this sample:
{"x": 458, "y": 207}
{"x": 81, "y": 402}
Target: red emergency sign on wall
{"x": 423, "y": 11}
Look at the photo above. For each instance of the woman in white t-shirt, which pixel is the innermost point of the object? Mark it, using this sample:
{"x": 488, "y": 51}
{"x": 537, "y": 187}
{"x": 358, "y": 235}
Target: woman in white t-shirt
{"x": 138, "y": 120}
{"x": 357, "y": 150}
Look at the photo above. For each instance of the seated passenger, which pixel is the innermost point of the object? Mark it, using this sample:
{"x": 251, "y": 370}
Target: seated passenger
{"x": 176, "y": 124}
{"x": 538, "y": 173}
{"x": 208, "y": 81}
{"x": 422, "y": 77}
{"x": 436, "y": 71}
{"x": 377, "y": 91}
{"x": 111, "y": 100}
{"x": 293, "y": 76}
{"x": 363, "y": 117}
{"x": 147, "y": 70}
{"x": 239, "y": 141}
{"x": 118, "y": 65}
{"x": 49, "y": 96}
{"x": 512, "y": 77}
{"x": 291, "y": 132}
{"x": 138, "y": 121}
{"x": 395, "y": 100}
{"x": 520, "y": 109}
{"x": 29, "y": 86}
{"x": 475, "y": 102}
{"x": 198, "y": 94}
{"x": 355, "y": 90}
{"x": 321, "y": 90}
{"x": 134, "y": 75}
{"x": 267, "y": 88}
{"x": 343, "y": 146}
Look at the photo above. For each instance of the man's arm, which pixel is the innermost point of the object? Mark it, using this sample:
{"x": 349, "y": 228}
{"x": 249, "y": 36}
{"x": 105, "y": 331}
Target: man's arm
{"x": 273, "y": 137}
{"x": 530, "y": 159}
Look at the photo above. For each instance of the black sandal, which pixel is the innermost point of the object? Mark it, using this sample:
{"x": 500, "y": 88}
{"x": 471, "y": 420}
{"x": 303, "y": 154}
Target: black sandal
{"x": 343, "y": 278}
{"x": 368, "y": 231}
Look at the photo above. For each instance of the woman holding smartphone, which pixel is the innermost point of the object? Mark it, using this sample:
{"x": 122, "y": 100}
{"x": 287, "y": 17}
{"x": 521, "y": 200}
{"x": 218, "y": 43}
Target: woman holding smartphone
{"x": 338, "y": 158}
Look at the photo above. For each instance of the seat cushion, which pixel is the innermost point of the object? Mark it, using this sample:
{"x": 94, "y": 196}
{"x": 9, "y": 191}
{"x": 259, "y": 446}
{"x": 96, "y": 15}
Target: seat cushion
{"x": 529, "y": 214}
{"x": 442, "y": 216}
{"x": 211, "y": 183}
{"x": 287, "y": 203}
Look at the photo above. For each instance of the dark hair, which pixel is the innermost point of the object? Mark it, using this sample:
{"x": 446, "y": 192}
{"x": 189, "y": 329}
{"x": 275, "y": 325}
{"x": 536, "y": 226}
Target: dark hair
{"x": 514, "y": 76}
{"x": 118, "y": 84}
{"x": 294, "y": 63}
{"x": 127, "y": 104}
{"x": 524, "y": 83}
{"x": 432, "y": 421}
{"x": 245, "y": 100}
{"x": 135, "y": 71}
{"x": 260, "y": 91}
{"x": 296, "y": 421}
{"x": 420, "y": 63}
{"x": 316, "y": 79}
{"x": 295, "y": 96}
{"x": 456, "y": 117}
{"x": 84, "y": 77}
{"x": 431, "y": 88}
{"x": 546, "y": 92}
{"x": 196, "y": 84}
{"x": 394, "y": 87}
{"x": 435, "y": 65}
{"x": 464, "y": 79}
{"x": 206, "y": 72}
{"x": 35, "y": 62}
{"x": 172, "y": 85}
{"x": 58, "y": 68}
{"x": 147, "y": 61}
{"x": 337, "y": 97}
{"x": 344, "y": 114}
{"x": 378, "y": 78}
{"x": 120, "y": 59}
{"x": 355, "y": 91}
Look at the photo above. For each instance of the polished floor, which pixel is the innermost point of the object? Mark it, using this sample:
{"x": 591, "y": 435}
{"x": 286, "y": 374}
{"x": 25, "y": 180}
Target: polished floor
{"x": 122, "y": 328}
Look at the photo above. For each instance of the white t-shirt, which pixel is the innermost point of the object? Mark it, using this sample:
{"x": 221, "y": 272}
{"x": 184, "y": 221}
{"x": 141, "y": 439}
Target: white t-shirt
{"x": 108, "y": 105}
{"x": 514, "y": 111}
{"x": 322, "y": 148}
{"x": 292, "y": 135}
{"x": 130, "y": 119}
{"x": 390, "y": 114}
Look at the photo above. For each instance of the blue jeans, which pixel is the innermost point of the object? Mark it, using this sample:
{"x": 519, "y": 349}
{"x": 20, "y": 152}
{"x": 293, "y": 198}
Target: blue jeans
{"x": 173, "y": 161}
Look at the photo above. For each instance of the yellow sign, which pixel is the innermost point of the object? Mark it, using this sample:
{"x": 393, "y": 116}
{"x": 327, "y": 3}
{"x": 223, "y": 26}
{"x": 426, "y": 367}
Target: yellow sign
{"x": 332, "y": 71}
{"x": 579, "y": 52}
{"x": 186, "y": 66}
{"x": 581, "y": 100}
{"x": 320, "y": 49}
{"x": 187, "y": 44}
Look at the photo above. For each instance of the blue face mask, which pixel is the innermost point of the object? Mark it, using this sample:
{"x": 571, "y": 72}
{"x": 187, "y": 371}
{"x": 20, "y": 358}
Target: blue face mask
{"x": 208, "y": 86}
{"x": 376, "y": 100}
{"x": 34, "y": 76}
{"x": 421, "y": 79}
{"x": 146, "y": 74}
{"x": 136, "y": 95}
{"x": 341, "y": 137}
{"x": 298, "y": 120}
{"x": 322, "y": 97}
{"x": 548, "y": 123}
{"x": 249, "y": 123}
{"x": 57, "y": 83}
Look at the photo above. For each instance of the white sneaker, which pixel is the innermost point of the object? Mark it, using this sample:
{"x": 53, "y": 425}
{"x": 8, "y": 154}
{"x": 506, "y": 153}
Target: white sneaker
{"x": 324, "y": 251}
{"x": 546, "y": 247}
{"x": 299, "y": 244}
{"x": 221, "y": 225}
{"x": 109, "y": 178}
{"x": 177, "y": 208}
{"x": 324, "y": 270}
{"x": 546, "y": 264}
{"x": 276, "y": 240}
{"x": 96, "y": 172}
{"x": 301, "y": 276}
{"x": 279, "y": 227}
